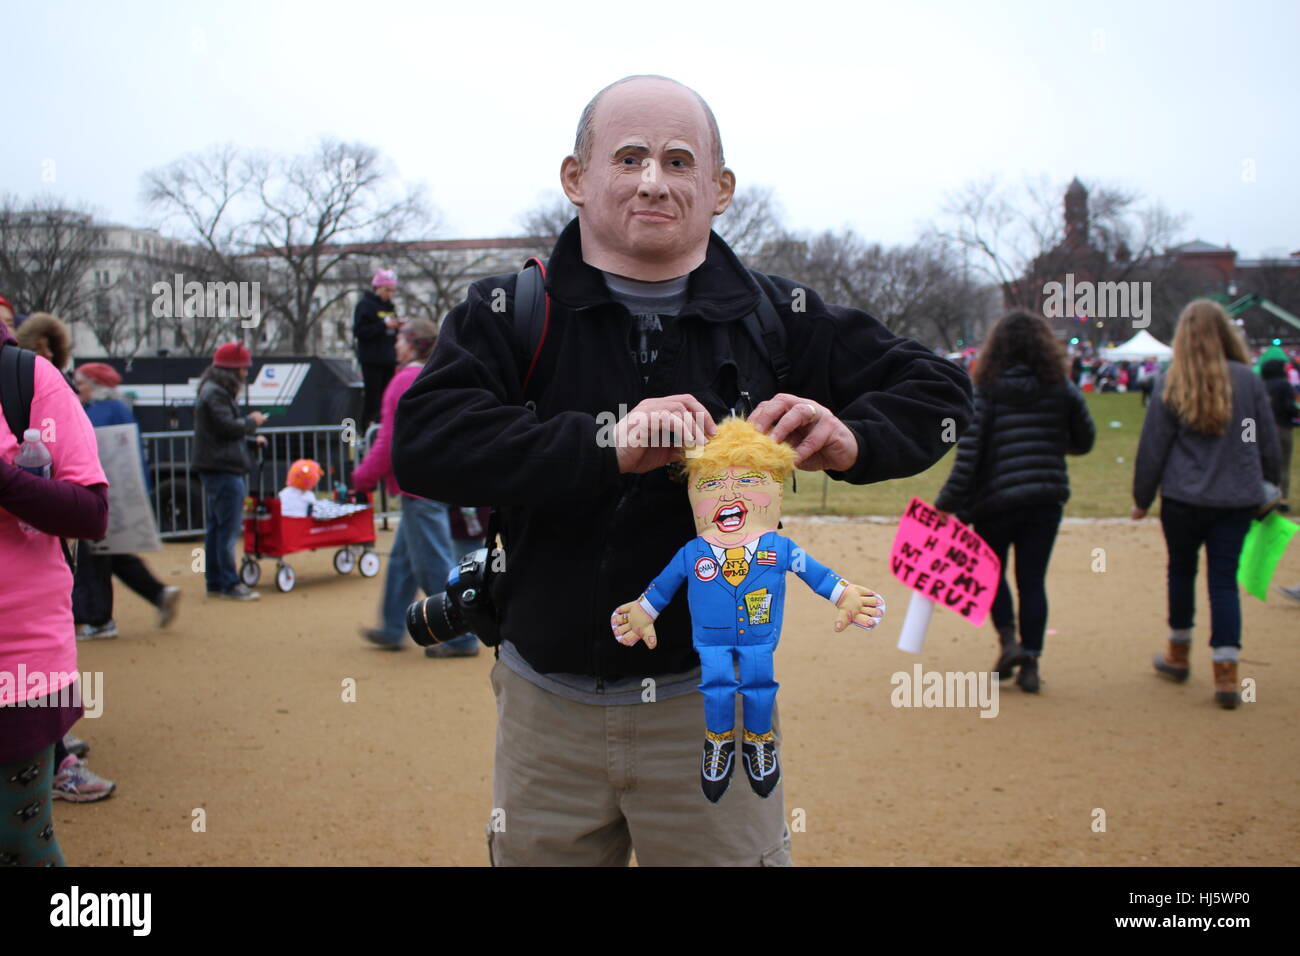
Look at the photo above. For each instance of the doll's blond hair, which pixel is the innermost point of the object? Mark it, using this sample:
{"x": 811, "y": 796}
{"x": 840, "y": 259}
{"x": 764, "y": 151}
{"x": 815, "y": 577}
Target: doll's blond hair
{"x": 738, "y": 444}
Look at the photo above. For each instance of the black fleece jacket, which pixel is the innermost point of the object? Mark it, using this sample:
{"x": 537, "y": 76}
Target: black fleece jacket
{"x": 376, "y": 342}
{"x": 581, "y": 538}
{"x": 1032, "y": 428}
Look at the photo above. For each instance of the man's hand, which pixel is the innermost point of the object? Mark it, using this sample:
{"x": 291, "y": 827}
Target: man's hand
{"x": 258, "y": 418}
{"x": 821, "y": 441}
{"x": 649, "y": 436}
{"x": 393, "y": 322}
{"x": 259, "y": 439}
{"x": 1138, "y": 513}
{"x": 630, "y": 623}
{"x": 860, "y": 606}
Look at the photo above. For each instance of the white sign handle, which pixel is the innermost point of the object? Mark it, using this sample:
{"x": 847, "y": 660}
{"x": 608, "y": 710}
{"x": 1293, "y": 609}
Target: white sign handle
{"x": 917, "y": 622}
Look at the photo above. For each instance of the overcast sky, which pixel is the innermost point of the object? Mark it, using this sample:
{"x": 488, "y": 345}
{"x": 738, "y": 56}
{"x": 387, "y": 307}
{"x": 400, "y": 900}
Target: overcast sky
{"x": 859, "y": 115}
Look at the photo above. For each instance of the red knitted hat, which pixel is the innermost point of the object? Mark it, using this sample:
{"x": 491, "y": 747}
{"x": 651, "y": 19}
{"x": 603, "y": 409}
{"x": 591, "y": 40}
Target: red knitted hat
{"x": 100, "y": 374}
{"x": 232, "y": 355}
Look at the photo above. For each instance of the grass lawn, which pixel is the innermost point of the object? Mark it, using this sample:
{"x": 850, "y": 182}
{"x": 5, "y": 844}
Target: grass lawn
{"x": 1101, "y": 481}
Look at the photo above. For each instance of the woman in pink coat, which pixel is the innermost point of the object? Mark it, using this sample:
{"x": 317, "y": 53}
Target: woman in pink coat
{"x": 423, "y": 554}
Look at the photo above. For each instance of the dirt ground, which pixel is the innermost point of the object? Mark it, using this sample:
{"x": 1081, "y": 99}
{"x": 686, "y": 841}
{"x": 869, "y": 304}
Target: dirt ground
{"x": 237, "y": 709}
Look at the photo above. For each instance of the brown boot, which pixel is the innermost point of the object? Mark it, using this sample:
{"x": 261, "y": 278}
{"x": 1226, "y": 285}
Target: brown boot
{"x": 1225, "y": 684}
{"x": 1174, "y": 663}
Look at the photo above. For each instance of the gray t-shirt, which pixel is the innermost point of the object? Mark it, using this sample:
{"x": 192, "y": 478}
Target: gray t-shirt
{"x": 653, "y": 305}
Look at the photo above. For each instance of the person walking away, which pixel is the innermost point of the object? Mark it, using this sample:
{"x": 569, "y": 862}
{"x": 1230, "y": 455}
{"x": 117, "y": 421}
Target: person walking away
{"x": 221, "y": 460}
{"x": 1209, "y": 442}
{"x": 1010, "y": 475}
{"x": 92, "y": 593}
{"x": 1282, "y": 398}
{"x": 374, "y": 326}
{"x": 423, "y": 555}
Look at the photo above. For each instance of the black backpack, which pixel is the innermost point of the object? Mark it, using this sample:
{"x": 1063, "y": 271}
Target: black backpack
{"x": 533, "y": 322}
{"x": 17, "y": 388}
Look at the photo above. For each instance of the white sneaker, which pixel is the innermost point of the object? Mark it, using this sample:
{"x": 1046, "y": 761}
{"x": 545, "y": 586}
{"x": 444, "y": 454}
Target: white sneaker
{"x": 75, "y": 782}
{"x": 167, "y": 602}
{"x": 88, "y": 632}
{"x": 241, "y": 592}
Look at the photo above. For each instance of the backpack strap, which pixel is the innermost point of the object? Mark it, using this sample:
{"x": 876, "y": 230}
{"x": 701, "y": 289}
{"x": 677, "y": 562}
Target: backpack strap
{"x": 532, "y": 316}
{"x": 765, "y": 328}
{"x": 17, "y": 386}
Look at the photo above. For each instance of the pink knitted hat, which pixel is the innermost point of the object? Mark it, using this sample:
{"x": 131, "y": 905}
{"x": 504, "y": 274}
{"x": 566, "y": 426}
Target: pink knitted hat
{"x": 384, "y": 277}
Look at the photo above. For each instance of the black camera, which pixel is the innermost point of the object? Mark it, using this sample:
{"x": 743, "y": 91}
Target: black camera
{"x": 465, "y": 606}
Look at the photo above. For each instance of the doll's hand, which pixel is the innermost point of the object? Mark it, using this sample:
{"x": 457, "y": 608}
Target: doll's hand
{"x": 630, "y": 623}
{"x": 860, "y": 606}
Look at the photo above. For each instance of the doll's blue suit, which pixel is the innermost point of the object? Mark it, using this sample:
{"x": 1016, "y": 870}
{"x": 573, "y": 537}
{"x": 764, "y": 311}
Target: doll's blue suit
{"x": 738, "y": 618}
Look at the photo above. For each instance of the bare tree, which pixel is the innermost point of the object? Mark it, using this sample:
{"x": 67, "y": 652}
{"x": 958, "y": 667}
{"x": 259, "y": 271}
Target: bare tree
{"x": 546, "y": 219}
{"x": 320, "y": 210}
{"x": 288, "y": 223}
{"x": 752, "y": 222}
{"x": 1018, "y": 237}
{"x": 210, "y": 200}
{"x": 47, "y": 252}
{"x": 919, "y": 290}
{"x": 447, "y": 274}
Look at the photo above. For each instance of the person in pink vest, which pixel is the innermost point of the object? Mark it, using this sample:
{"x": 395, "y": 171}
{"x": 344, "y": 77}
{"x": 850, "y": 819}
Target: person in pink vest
{"x": 423, "y": 553}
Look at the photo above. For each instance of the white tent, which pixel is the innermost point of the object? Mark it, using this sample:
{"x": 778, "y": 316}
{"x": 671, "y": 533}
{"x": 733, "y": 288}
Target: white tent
{"x": 1142, "y": 346}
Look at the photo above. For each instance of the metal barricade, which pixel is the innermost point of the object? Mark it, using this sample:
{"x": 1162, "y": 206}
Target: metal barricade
{"x": 177, "y": 493}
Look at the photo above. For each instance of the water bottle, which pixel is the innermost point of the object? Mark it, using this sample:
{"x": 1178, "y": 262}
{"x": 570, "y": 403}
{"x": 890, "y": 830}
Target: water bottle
{"x": 33, "y": 458}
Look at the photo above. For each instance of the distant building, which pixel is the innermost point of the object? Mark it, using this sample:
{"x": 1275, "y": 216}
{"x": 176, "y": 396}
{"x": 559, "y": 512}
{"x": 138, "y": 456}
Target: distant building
{"x": 1168, "y": 280}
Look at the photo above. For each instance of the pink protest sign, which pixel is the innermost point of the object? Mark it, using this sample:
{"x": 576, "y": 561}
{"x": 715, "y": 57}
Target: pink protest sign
{"x": 945, "y": 561}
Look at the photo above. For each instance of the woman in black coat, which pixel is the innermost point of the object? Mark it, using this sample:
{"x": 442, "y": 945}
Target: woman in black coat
{"x": 1010, "y": 478}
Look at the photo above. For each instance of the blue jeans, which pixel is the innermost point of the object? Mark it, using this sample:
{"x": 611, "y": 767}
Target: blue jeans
{"x": 422, "y": 558}
{"x": 223, "y": 495}
{"x": 1222, "y": 531}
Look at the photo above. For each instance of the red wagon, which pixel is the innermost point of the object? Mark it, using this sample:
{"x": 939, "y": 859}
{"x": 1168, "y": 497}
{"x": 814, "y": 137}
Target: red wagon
{"x": 269, "y": 534}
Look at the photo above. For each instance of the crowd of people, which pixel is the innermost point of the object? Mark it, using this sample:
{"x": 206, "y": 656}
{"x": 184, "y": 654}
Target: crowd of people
{"x": 1214, "y": 477}
{"x": 655, "y": 313}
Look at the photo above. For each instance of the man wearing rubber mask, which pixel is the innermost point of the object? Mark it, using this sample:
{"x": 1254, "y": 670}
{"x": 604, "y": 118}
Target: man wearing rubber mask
{"x": 649, "y": 344}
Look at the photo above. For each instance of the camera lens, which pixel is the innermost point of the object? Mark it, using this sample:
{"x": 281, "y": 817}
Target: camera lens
{"x": 434, "y": 620}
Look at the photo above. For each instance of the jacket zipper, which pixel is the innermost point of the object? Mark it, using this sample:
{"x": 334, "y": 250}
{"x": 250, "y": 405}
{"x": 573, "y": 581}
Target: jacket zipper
{"x": 628, "y": 491}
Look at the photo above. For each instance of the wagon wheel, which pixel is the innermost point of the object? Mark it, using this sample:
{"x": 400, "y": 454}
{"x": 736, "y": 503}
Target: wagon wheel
{"x": 369, "y": 564}
{"x": 344, "y": 561}
{"x": 250, "y": 572}
{"x": 285, "y": 578}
